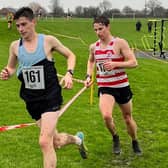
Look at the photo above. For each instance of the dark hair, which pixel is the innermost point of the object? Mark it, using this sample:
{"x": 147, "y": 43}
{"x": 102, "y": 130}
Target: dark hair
{"x": 102, "y": 19}
{"x": 24, "y": 12}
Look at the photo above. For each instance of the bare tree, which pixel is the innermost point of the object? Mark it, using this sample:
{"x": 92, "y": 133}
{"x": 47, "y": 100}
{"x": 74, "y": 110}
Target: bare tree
{"x": 56, "y": 9}
{"x": 160, "y": 12}
{"x": 37, "y": 9}
{"x": 87, "y": 11}
{"x": 152, "y": 5}
{"x": 105, "y": 5}
{"x": 127, "y": 10}
{"x": 79, "y": 11}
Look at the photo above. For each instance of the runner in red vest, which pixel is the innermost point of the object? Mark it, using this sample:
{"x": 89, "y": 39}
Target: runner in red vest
{"x": 111, "y": 56}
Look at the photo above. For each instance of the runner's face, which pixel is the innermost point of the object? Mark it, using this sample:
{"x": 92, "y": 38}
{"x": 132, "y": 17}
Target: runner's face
{"x": 25, "y": 27}
{"x": 101, "y": 30}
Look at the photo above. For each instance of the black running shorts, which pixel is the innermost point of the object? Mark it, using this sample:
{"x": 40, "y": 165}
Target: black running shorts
{"x": 37, "y": 108}
{"x": 121, "y": 95}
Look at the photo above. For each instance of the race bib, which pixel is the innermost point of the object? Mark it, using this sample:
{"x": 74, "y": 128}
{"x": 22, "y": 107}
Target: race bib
{"x": 34, "y": 77}
{"x": 101, "y": 69}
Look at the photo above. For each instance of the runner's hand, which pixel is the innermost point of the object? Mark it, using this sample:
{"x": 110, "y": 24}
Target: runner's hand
{"x": 66, "y": 81}
{"x": 4, "y": 75}
{"x": 88, "y": 81}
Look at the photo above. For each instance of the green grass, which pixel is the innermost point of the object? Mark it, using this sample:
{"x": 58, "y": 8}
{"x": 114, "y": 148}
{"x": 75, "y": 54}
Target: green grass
{"x": 19, "y": 148}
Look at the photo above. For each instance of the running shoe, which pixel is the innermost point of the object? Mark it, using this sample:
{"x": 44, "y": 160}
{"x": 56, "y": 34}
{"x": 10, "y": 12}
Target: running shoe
{"x": 116, "y": 145}
{"x": 82, "y": 148}
{"x": 136, "y": 147}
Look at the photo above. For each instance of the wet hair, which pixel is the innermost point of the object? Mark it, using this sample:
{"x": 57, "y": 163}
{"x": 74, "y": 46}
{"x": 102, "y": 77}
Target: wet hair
{"x": 102, "y": 19}
{"x": 24, "y": 12}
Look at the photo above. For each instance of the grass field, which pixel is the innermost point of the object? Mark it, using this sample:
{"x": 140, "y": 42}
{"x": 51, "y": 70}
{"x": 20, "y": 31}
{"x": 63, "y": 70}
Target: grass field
{"x": 19, "y": 148}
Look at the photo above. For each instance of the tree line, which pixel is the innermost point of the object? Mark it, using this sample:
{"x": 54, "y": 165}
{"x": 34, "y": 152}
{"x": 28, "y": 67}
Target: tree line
{"x": 152, "y": 8}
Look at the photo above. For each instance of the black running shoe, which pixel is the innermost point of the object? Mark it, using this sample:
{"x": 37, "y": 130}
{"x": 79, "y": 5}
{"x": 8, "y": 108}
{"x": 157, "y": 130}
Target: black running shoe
{"x": 116, "y": 145}
{"x": 136, "y": 147}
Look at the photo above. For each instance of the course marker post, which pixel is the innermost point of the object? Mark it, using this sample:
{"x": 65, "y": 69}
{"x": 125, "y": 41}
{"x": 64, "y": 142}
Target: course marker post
{"x": 92, "y": 89}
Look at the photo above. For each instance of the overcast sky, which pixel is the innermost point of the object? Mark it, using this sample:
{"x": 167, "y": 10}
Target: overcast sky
{"x": 71, "y": 4}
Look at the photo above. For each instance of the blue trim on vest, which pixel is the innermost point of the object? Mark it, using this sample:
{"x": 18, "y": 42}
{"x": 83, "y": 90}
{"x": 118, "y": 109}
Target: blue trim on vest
{"x": 27, "y": 59}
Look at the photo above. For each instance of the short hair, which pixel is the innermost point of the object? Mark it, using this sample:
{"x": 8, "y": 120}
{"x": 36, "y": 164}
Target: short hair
{"x": 102, "y": 19}
{"x": 24, "y": 12}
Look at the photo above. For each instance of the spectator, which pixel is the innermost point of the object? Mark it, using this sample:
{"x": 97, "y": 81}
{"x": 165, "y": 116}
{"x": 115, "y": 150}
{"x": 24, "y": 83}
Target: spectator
{"x": 150, "y": 26}
{"x": 138, "y": 25}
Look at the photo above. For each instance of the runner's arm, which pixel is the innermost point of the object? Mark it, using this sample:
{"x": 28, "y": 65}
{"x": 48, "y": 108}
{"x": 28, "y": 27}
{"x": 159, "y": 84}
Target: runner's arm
{"x": 10, "y": 68}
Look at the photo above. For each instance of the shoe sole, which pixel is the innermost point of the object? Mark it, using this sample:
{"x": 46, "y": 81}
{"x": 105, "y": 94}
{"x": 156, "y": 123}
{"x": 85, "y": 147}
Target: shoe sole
{"x": 83, "y": 151}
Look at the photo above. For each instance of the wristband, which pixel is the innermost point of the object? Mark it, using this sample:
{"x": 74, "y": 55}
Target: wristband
{"x": 70, "y": 71}
{"x": 88, "y": 76}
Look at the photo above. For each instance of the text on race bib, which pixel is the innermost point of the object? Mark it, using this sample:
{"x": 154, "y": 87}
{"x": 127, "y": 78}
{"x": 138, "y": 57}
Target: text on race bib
{"x": 34, "y": 77}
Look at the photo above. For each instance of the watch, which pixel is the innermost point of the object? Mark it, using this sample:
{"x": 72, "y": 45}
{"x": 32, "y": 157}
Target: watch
{"x": 88, "y": 76}
{"x": 70, "y": 71}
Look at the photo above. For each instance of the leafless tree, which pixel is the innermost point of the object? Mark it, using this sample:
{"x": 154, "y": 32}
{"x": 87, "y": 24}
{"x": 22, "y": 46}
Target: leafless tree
{"x": 79, "y": 11}
{"x": 105, "y": 5}
{"x": 152, "y": 5}
{"x": 37, "y": 8}
{"x": 56, "y": 9}
{"x": 127, "y": 10}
